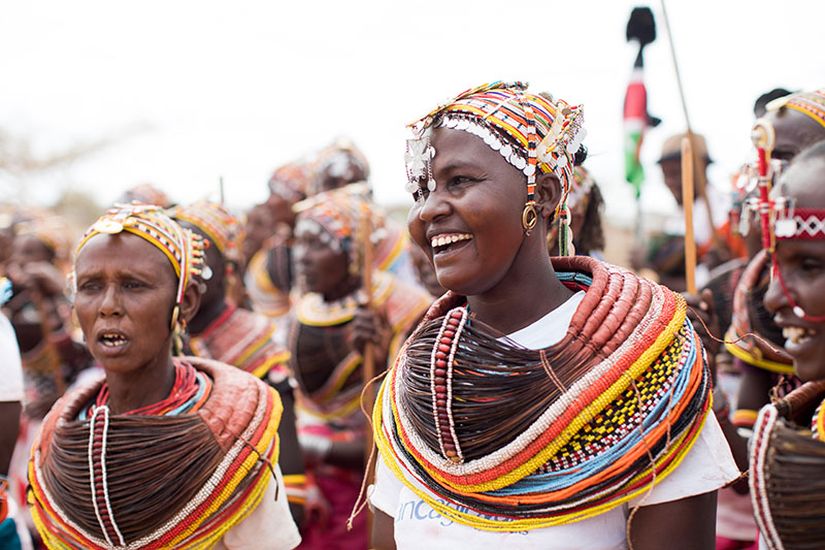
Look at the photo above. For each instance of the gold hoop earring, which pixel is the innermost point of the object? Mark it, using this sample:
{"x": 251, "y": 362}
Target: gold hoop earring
{"x": 529, "y": 217}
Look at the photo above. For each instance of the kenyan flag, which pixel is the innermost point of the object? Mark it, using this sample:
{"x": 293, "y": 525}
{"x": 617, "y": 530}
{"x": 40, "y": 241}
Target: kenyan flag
{"x": 635, "y": 123}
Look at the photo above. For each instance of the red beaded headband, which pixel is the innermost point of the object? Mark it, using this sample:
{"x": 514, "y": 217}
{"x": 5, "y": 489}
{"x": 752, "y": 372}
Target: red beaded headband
{"x": 800, "y": 223}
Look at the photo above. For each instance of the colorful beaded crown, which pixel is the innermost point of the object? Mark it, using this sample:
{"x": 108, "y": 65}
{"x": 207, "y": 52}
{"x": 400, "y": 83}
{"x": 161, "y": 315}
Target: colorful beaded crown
{"x": 183, "y": 248}
{"x": 811, "y": 104}
{"x": 224, "y": 230}
{"x": 529, "y": 130}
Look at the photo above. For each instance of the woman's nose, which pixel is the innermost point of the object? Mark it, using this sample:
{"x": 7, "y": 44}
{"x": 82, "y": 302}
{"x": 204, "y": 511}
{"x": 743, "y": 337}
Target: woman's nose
{"x": 110, "y": 305}
{"x": 435, "y": 205}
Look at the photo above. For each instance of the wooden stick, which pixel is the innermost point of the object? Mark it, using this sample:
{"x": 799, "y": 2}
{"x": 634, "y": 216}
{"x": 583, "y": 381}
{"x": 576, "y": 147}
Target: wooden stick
{"x": 687, "y": 204}
{"x": 717, "y": 240}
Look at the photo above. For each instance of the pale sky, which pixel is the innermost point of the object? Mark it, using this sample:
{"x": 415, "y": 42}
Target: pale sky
{"x": 207, "y": 89}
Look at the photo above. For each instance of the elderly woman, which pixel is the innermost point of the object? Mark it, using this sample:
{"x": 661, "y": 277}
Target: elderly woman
{"x": 539, "y": 404}
{"x": 165, "y": 451}
{"x": 788, "y": 443}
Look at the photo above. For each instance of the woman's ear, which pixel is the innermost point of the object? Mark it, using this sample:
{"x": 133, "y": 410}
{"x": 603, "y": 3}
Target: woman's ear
{"x": 548, "y": 194}
{"x": 191, "y": 302}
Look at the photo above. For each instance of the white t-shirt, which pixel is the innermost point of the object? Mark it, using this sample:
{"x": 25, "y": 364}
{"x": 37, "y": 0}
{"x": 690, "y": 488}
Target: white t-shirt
{"x": 708, "y": 466}
{"x": 268, "y": 527}
{"x": 11, "y": 369}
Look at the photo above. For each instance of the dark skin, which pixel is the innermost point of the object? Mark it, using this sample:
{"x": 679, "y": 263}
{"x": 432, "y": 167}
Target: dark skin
{"x": 259, "y": 227}
{"x": 9, "y": 428}
{"x": 127, "y": 286}
{"x": 479, "y": 193}
{"x": 213, "y": 298}
{"x": 802, "y": 265}
{"x": 213, "y": 304}
{"x": 794, "y": 132}
{"x": 325, "y": 271}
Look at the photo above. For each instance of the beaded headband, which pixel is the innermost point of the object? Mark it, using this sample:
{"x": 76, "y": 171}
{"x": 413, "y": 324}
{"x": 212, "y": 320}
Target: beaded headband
{"x": 183, "y": 248}
{"x": 146, "y": 193}
{"x": 338, "y": 159}
{"x": 223, "y": 229}
{"x": 811, "y": 104}
{"x": 778, "y": 217}
{"x": 530, "y": 131}
{"x": 335, "y": 217}
{"x": 291, "y": 181}
{"x": 52, "y": 231}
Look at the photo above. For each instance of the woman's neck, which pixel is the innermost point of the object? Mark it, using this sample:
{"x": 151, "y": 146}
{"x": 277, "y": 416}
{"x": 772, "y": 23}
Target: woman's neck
{"x": 528, "y": 292}
{"x": 343, "y": 290}
{"x": 144, "y": 386}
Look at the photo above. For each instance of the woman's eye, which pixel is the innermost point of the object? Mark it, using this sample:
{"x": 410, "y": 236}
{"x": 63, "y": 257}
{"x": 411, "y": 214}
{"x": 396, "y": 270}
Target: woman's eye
{"x": 811, "y": 265}
{"x": 133, "y": 285}
{"x": 458, "y": 181}
{"x": 90, "y": 286}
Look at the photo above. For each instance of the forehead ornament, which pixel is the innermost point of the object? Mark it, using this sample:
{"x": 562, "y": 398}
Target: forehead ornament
{"x": 418, "y": 160}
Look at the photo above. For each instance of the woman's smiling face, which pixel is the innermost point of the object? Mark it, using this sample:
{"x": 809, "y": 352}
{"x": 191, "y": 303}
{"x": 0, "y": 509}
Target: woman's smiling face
{"x": 470, "y": 226}
{"x": 801, "y": 264}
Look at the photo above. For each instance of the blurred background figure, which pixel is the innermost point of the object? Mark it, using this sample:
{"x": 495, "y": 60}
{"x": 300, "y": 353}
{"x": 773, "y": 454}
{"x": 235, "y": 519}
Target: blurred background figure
{"x": 664, "y": 257}
{"x": 327, "y": 337}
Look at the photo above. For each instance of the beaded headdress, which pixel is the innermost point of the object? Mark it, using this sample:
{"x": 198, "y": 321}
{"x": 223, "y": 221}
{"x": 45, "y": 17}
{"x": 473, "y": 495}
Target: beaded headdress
{"x": 291, "y": 181}
{"x": 223, "y": 229}
{"x": 183, "y": 248}
{"x": 50, "y": 230}
{"x": 340, "y": 159}
{"x": 146, "y": 193}
{"x": 531, "y": 131}
{"x": 336, "y": 217}
{"x": 778, "y": 215}
{"x": 811, "y": 104}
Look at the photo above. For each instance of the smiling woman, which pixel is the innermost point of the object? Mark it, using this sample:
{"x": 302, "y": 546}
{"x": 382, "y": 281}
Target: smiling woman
{"x": 160, "y": 453}
{"x": 787, "y": 455}
{"x": 540, "y": 403}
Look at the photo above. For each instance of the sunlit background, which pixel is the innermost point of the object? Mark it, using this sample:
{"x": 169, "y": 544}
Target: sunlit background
{"x": 99, "y": 95}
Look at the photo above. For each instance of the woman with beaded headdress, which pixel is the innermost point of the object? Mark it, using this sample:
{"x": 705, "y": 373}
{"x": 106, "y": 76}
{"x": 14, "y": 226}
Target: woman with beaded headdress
{"x": 327, "y": 340}
{"x": 268, "y": 276}
{"x": 250, "y": 341}
{"x": 753, "y": 361}
{"x": 165, "y": 451}
{"x": 753, "y": 339}
{"x": 541, "y": 403}
{"x": 787, "y": 451}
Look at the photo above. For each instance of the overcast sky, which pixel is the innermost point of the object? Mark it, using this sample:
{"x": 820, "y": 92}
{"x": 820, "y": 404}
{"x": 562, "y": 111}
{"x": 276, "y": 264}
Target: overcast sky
{"x": 196, "y": 90}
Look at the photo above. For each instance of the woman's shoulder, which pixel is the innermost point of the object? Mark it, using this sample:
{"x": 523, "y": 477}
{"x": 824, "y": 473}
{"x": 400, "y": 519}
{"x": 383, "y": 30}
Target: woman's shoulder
{"x": 237, "y": 400}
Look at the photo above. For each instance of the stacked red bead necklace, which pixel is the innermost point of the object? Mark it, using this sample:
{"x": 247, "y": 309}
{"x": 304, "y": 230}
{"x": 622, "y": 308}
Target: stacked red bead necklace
{"x": 441, "y": 385}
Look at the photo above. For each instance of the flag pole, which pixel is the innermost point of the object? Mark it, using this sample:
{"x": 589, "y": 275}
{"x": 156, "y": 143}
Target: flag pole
{"x": 687, "y": 200}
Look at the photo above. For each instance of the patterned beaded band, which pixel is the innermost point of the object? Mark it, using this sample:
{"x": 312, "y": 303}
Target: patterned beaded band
{"x": 441, "y": 372}
{"x": 222, "y": 228}
{"x": 811, "y": 104}
{"x": 183, "y": 248}
{"x": 530, "y": 131}
{"x": 801, "y": 224}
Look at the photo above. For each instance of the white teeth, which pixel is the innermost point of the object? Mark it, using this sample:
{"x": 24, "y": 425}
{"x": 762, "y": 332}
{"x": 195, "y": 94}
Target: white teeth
{"x": 796, "y": 335}
{"x": 443, "y": 240}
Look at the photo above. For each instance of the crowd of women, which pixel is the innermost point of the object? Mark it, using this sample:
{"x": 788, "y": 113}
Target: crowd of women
{"x": 313, "y": 374}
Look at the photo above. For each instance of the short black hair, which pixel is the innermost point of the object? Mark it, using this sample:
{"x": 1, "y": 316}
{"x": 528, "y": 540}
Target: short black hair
{"x": 760, "y": 105}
